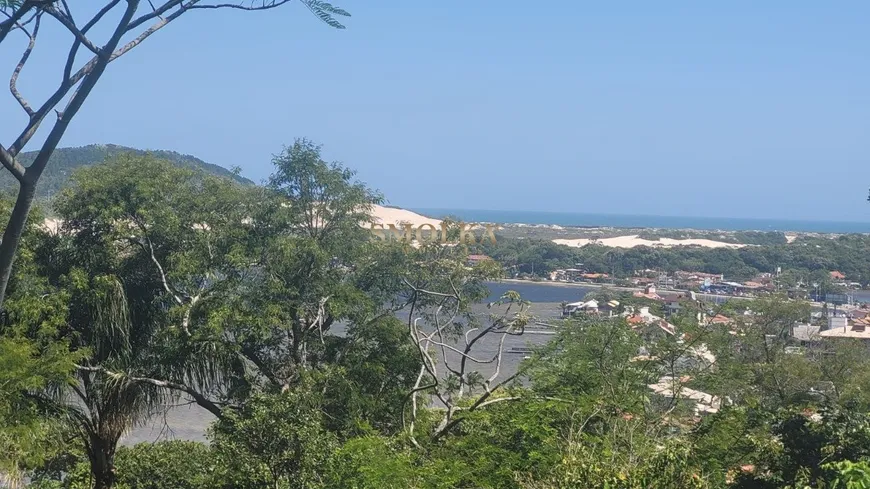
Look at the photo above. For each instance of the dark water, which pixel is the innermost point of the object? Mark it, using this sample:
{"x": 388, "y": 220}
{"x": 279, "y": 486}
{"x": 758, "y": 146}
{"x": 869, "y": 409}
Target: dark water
{"x": 538, "y": 293}
{"x": 640, "y": 221}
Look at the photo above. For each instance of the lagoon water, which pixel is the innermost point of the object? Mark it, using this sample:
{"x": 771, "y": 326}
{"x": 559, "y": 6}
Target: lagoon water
{"x": 641, "y": 221}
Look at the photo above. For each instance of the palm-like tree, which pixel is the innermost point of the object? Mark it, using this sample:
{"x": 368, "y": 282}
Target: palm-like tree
{"x": 118, "y": 331}
{"x": 116, "y": 312}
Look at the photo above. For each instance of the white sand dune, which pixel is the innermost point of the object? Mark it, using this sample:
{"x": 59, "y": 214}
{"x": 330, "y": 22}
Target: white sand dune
{"x": 391, "y": 215}
{"x": 634, "y": 240}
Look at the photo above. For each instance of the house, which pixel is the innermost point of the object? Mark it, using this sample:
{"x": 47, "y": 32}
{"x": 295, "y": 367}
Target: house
{"x": 719, "y": 319}
{"x": 589, "y": 307}
{"x": 649, "y": 292}
{"x": 648, "y": 323}
{"x": 806, "y": 334}
{"x": 687, "y": 278}
{"x": 674, "y": 302}
{"x": 839, "y": 327}
{"x": 566, "y": 275}
{"x": 609, "y": 308}
{"x": 837, "y": 275}
{"x": 475, "y": 259}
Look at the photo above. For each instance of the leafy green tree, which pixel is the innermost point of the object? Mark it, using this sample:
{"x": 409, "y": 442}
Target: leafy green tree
{"x": 32, "y": 358}
{"x": 133, "y": 20}
{"x": 122, "y": 312}
{"x": 277, "y": 440}
{"x": 374, "y": 462}
{"x": 176, "y": 464}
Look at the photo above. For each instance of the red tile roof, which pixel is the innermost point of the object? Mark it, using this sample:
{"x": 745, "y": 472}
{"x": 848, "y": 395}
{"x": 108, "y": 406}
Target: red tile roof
{"x": 720, "y": 319}
{"x": 634, "y": 320}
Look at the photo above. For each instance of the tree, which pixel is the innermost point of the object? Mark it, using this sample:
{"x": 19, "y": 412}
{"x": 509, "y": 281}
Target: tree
{"x": 278, "y": 440}
{"x": 31, "y": 359}
{"x": 137, "y": 21}
{"x": 120, "y": 309}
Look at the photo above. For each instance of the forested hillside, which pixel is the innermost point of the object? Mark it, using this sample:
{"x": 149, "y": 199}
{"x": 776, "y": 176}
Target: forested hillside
{"x": 65, "y": 160}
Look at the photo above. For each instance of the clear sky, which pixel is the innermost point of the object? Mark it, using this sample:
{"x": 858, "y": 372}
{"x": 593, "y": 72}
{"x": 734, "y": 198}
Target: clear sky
{"x": 739, "y": 108}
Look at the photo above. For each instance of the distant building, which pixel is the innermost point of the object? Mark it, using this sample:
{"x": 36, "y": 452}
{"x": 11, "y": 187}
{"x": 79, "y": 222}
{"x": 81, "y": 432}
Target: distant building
{"x": 719, "y": 319}
{"x": 806, "y": 334}
{"x": 475, "y": 259}
{"x": 649, "y": 292}
{"x": 648, "y": 323}
{"x": 581, "y": 306}
{"x": 837, "y": 275}
{"x": 839, "y": 327}
{"x": 590, "y": 307}
{"x": 566, "y": 275}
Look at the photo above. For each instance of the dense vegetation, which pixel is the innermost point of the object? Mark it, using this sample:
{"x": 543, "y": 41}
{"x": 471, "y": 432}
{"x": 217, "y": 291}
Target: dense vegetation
{"x": 64, "y": 161}
{"x": 739, "y": 237}
{"x": 333, "y": 360}
{"x": 807, "y": 258}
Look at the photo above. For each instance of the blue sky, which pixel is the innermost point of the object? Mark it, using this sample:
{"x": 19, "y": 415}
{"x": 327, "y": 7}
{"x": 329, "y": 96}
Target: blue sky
{"x": 739, "y": 109}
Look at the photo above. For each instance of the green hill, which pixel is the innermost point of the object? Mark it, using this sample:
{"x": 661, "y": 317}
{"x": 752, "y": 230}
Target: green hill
{"x": 66, "y": 160}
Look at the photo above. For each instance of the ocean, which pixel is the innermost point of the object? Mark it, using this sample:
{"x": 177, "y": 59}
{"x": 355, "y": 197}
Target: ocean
{"x": 640, "y": 221}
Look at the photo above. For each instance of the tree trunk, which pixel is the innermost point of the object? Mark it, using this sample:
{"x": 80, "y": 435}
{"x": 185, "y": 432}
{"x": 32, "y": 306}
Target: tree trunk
{"x": 12, "y": 234}
{"x": 102, "y": 457}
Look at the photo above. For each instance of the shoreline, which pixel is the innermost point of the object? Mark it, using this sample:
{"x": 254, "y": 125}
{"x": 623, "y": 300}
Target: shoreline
{"x": 702, "y": 295}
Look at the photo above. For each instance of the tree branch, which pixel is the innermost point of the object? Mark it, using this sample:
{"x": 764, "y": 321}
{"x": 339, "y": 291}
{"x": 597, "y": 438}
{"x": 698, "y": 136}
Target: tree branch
{"x": 11, "y": 164}
{"x": 70, "y": 26}
{"x": 9, "y": 24}
{"x": 24, "y": 57}
{"x": 197, "y": 396}
{"x": 251, "y": 8}
{"x": 156, "y": 12}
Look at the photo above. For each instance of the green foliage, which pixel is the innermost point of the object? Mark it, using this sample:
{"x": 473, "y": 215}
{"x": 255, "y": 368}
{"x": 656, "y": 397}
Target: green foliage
{"x": 666, "y": 466}
{"x": 273, "y": 308}
{"x": 65, "y": 161}
{"x": 327, "y": 12}
{"x": 277, "y": 440}
{"x": 850, "y": 475}
{"x": 165, "y": 464}
{"x": 373, "y": 462}
{"x": 808, "y": 259}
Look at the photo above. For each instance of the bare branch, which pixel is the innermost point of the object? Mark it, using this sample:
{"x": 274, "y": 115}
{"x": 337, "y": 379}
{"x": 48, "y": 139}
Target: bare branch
{"x": 15, "y": 19}
{"x": 249, "y": 8}
{"x": 11, "y": 164}
{"x": 144, "y": 35}
{"x": 156, "y": 13}
{"x": 73, "y": 52}
{"x": 163, "y": 274}
{"x": 24, "y": 57}
{"x": 67, "y": 10}
{"x": 70, "y": 26}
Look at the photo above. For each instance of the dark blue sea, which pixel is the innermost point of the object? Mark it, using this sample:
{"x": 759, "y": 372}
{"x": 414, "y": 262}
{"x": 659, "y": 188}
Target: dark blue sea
{"x": 639, "y": 221}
